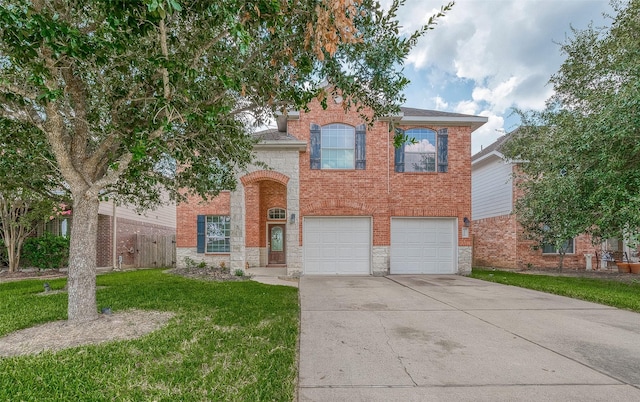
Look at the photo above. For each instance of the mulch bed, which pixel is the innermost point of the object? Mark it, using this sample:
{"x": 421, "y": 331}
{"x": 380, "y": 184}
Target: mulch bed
{"x": 6, "y": 276}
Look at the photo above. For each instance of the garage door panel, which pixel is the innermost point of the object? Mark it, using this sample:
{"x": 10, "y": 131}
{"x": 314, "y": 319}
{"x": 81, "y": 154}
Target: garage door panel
{"x": 423, "y": 245}
{"x": 337, "y": 245}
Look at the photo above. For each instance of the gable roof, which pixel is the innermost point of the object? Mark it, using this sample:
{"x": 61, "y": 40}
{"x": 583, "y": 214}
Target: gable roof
{"x": 413, "y": 115}
{"x": 274, "y": 138}
{"x": 494, "y": 148}
{"x": 411, "y": 111}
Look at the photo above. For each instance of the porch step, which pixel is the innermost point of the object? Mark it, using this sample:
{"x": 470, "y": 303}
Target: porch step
{"x": 275, "y": 272}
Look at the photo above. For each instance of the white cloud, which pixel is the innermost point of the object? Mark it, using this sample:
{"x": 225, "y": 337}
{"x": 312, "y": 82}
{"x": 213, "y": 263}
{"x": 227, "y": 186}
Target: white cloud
{"x": 506, "y": 50}
{"x": 487, "y": 134}
{"x": 421, "y": 146}
{"x": 440, "y": 103}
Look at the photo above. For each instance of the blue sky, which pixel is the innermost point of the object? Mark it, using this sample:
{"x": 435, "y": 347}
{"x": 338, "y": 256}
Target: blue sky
{"x": 488, "y": 56}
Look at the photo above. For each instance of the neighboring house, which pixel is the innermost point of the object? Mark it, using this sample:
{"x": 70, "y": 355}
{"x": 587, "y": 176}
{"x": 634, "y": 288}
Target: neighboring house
{"x": 338, "y": 198}
{"x": 118, "y": 243}
{"x": 498, "y": 238}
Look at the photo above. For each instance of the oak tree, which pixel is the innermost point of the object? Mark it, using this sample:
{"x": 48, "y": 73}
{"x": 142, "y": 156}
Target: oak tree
{"x": 125, "y": 91}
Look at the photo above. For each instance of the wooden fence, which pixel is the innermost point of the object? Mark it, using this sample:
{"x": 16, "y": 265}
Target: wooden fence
{"x": 155, "y": 251}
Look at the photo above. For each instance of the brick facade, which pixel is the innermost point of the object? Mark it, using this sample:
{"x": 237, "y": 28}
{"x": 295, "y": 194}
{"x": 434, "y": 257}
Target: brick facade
{"x": 376, "y": 191}
{"x": 379, "y": 191}
{"x": 127, "y": 230}
{"x": 499, "y": 241}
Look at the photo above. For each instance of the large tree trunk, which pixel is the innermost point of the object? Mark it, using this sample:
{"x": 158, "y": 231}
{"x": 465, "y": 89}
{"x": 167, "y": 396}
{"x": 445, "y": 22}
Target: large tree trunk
{"x": 82, "y": 259}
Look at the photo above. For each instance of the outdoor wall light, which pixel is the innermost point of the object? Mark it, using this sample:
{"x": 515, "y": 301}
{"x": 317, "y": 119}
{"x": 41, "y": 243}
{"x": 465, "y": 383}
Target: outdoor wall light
{"x": 292, "y": 218}
{"x": 466, "y": 222}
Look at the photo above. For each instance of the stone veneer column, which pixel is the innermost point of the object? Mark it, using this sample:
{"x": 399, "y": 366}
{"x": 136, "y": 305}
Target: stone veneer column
{"x": 464, "y": 260}
{"x": 380, "y": 261}
{"x": 237, "y": 257}
{"x": 294, "y": 252}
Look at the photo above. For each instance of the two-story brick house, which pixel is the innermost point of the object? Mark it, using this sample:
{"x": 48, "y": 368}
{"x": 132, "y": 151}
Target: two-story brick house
{"x": 339, "y": 198}
{"x": 499, "y": 240}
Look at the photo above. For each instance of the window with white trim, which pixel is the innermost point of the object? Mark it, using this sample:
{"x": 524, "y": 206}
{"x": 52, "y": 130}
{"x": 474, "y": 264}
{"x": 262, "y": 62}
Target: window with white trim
{"x": 277, "y": 214}
{"x": 218, "y": 234}
{"x": 338, "y": 147}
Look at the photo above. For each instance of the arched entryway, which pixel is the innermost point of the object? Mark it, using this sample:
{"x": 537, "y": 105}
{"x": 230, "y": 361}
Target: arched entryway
{"x": 266, "y": 219}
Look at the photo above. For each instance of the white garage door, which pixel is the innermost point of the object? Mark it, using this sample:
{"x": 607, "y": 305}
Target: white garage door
{"x": 337, "y": 245}
{"x": 423, "y": 246}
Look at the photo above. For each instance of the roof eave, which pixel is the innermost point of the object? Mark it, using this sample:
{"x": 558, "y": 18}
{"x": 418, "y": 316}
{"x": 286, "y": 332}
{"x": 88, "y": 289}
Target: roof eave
{"x": 282, "y": 144}
{"x": 475, "y": 122}
{"x": 496, "y": 154}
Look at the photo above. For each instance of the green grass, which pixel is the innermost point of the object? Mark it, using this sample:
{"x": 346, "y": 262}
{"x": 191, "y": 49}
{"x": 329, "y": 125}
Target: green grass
{"x": 231, "y": 341}
{"x": 603, "y": 291}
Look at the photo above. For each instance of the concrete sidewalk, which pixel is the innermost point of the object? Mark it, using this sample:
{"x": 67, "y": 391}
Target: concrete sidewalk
{"x": 431, "y": 338}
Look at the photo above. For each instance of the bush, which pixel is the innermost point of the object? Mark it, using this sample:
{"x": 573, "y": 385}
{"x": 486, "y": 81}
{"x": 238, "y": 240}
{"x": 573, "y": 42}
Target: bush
{"x": 46, "y": 252}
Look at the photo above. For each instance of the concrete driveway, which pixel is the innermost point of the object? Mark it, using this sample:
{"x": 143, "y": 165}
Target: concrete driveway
{"x": 431, "y": 338}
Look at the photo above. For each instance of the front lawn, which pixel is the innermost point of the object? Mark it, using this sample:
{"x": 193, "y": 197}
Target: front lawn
{"x": 603, "y": 291}
{"x": 231, "y": 341}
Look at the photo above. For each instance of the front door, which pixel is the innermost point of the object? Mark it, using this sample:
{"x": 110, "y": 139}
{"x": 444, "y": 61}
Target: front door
{"x": 275, "y": 244}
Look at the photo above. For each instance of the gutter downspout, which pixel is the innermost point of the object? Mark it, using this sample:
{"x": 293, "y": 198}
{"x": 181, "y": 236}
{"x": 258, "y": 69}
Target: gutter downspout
{"x": 114, "y": 227}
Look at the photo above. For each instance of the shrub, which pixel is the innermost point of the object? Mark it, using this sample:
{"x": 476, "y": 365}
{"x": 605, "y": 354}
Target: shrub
{"x": 47, "y": 251}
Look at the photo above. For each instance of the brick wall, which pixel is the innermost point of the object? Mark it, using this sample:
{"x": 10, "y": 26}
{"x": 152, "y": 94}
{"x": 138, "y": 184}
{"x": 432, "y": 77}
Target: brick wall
{"x": 378, "y": 190}
{"x": 530, "y": 256}
{"x": 127, "y": 230}
{"x": 272, "y": 195}
{"x": 103, "y": 245}
{"x": 188, "y": 211}
{"x": 495, "y": 242}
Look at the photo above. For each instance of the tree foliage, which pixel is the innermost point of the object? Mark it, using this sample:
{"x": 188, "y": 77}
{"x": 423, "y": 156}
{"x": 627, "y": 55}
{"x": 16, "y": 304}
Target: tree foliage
{"x": 30, "y": 191}
{"x": 125, "y": 91}
{"x": 582, "y": 153}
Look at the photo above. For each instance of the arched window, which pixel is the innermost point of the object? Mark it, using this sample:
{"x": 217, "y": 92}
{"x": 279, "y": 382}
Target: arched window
{"x": 338, "y": 146}
{"x": 421, "y": 155}
{"x": 427, "y": 153}
{"x": 277, "y": 214}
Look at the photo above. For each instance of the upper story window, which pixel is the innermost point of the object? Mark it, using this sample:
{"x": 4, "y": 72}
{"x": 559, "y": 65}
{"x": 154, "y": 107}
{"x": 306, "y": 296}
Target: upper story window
{"x": 428, "y": 153}
{"x": 277, "y": 214}
{"x": 338, "y": 146}
{"x": 420, "y": 156}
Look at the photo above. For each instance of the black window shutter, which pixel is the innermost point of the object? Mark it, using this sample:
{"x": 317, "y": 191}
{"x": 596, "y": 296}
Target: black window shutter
{"x": 201, "y": 230}
{"x": 315, "y": 146}
{"x": 399, "y": 155}
{"x": 443, "y": 149}
{"x": 361, "y": 147}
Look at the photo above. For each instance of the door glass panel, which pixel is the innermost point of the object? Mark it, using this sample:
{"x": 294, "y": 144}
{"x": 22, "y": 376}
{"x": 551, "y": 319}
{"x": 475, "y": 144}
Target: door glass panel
{"x": 276, "y": 239}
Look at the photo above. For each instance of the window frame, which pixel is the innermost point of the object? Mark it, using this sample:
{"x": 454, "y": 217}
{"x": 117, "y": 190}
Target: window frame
{"x": 277, "y": 209}
{"x": 226, "y": 239}
{"x": 324, "y": 147}
{"x": 570, "y": 250}
{"x": 410, "y": 133}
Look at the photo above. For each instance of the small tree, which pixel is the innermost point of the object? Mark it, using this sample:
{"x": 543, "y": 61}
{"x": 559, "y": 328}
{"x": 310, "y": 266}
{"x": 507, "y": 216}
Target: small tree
{"x": 29, "y": 193}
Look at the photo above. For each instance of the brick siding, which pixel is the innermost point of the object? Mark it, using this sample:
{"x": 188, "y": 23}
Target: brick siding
{"x": 127, "y": 230}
